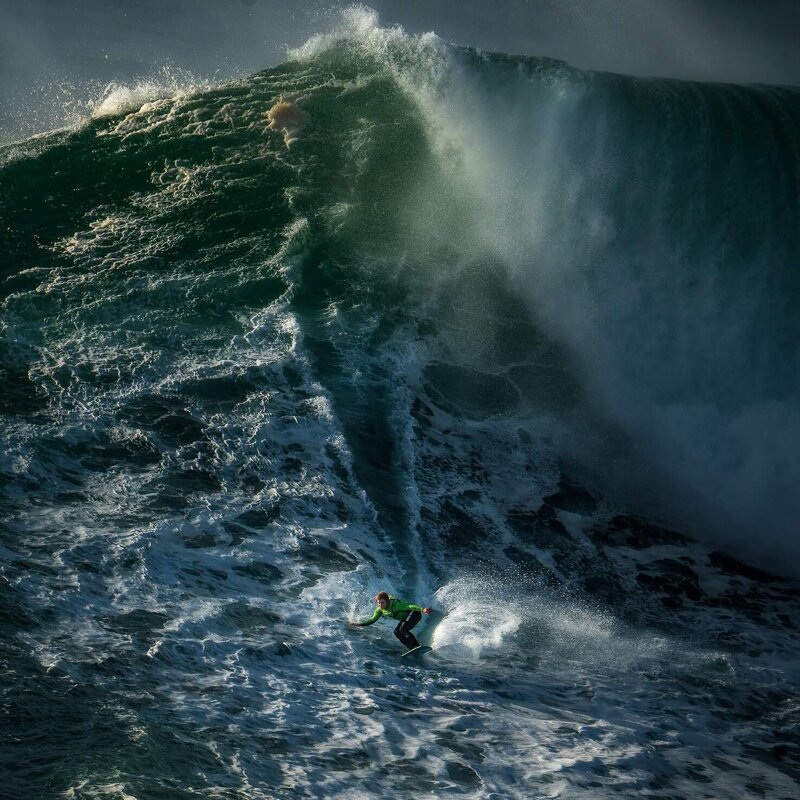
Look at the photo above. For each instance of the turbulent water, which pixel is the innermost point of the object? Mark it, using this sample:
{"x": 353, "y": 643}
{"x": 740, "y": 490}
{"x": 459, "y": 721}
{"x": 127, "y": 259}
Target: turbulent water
{"x": 504, "y": 338}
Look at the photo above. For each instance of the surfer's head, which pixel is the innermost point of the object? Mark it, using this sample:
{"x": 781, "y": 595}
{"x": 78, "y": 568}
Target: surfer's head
{"x": 382, "y": 599}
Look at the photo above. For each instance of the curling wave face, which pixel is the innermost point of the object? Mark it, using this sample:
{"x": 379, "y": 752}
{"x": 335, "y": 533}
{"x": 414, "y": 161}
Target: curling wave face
{"x": 402, "y": 315}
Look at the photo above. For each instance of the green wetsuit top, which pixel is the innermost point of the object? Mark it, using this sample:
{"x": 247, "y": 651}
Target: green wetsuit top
{"x": 397, "y": 609}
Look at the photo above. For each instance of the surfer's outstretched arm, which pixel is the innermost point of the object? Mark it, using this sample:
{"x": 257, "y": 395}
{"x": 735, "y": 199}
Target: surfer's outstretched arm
{"x": 376, "y": 615}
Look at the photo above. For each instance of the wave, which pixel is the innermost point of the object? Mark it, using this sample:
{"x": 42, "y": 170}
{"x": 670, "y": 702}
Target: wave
{"x": 468, "y": 327}
{"x": 650, "y": 229}
{"x": 606, "y": 263}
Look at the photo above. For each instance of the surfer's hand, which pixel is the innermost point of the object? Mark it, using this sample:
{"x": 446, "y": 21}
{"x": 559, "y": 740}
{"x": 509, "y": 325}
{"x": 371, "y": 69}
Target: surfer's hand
{"x": 427, "y": 611}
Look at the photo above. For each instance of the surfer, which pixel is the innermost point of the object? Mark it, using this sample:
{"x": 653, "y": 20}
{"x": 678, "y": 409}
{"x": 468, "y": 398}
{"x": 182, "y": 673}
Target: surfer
{"x": 408, "y": 614}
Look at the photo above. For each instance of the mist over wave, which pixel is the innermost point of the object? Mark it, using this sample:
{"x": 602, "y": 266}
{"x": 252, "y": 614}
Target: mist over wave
{"x": 650, "y": 227}
{"x": 490, "y": 333}
{"x": 661, "y": 249}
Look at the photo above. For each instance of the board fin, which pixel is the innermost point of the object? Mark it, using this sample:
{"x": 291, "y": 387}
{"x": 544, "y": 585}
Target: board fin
{"x": 417, "y": 651}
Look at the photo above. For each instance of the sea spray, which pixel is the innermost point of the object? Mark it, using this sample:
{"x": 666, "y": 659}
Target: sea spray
{"x": 477, "y": 618}
{"x": 644, "y": 239}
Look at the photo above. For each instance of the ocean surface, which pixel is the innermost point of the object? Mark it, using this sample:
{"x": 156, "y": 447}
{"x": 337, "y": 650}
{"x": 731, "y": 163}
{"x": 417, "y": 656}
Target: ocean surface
{"x": 502, "y": 337}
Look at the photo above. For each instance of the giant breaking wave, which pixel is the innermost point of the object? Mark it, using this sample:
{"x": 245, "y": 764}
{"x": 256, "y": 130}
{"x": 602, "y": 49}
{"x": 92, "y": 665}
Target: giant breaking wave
{"x": 467, "y": 326}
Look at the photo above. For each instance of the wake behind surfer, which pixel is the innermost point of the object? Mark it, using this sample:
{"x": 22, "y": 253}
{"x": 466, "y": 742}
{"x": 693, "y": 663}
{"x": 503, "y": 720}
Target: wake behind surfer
{"x": 409, "y": 615}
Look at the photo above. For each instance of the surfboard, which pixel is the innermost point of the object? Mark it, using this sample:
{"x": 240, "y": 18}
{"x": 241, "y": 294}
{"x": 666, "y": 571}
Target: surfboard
{"x": 417, "y": 651}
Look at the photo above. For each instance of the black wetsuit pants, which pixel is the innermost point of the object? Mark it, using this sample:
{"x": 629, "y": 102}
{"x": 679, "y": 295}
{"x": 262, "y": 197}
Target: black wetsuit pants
{"x": 403, "y": 630}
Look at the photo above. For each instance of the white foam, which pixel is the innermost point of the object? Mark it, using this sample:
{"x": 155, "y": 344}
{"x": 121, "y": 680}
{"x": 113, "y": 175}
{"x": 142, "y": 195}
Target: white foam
{"x": 357, "y": 22}
{"x": 120, "y": 99}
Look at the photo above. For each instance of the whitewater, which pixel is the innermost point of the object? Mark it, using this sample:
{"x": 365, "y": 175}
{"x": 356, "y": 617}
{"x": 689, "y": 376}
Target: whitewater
{"x": 502, "y": 337}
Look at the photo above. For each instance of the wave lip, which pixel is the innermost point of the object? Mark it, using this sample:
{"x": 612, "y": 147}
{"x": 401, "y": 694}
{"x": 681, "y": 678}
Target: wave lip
{"x": 120, "y": 99}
